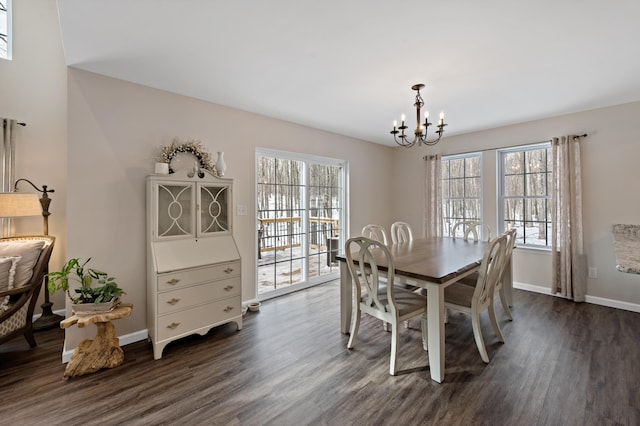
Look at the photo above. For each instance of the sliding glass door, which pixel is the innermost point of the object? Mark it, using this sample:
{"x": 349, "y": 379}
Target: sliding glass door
{"x": 300, "y": 217}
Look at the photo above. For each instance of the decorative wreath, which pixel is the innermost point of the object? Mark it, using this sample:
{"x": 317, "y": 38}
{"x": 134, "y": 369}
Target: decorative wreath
{"x": 192, "y": 146}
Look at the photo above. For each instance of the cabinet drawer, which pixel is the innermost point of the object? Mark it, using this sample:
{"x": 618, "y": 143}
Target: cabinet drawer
{"x": 171, "y": 301}
{"x": 173, "y": 280}
{"x": 189, "y": 321}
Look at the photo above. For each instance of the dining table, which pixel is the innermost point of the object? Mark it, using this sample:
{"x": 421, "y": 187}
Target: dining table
{"x": 430, "y": 263}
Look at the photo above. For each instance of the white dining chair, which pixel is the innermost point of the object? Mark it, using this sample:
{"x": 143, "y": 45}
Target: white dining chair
{"x": 474, "y": 300}
{"x": 471, "y": 229}
{"x": 500, "y": 289}
{"x": 376, "y": 233}
{"x": 401, "y": 232}
{"x": 389, "y": 303}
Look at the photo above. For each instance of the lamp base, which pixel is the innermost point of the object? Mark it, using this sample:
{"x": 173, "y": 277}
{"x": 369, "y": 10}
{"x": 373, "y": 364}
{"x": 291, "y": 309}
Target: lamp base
{"x": 47, "y": 319}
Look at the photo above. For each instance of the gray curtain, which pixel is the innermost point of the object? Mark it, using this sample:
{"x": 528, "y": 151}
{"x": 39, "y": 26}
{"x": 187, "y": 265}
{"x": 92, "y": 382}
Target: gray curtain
{"x": 7, "y": 154}
{"x": 432, "y": 197}
{"x": 569, "y": 271}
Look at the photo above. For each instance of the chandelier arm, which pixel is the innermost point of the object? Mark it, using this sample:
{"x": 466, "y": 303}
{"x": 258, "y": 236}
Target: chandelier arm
{"x": 404, "y": 142}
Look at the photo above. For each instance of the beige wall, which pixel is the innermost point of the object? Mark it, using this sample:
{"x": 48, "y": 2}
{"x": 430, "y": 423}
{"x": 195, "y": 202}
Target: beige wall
{"x": 610, "y": 174}
{"x": 115, "y": 129}
{"x": 115, "y": 132}
{"x": 33, "y": 89}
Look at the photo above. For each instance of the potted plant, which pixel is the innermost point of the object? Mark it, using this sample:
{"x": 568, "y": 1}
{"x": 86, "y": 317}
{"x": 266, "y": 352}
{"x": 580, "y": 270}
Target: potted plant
{"x": 98, "y": 292}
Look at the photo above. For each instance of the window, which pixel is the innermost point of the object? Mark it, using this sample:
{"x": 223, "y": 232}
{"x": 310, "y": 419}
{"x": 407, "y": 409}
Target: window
{"x": 525, "y": 193}
{"x": 461, "y": 189}
{"x": 5, "y": 29}
{"x": 300, "y": 217}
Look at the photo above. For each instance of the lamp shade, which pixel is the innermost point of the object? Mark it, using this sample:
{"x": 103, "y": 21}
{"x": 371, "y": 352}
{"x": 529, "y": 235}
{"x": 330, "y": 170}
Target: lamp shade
{"x": 13, "y": 204}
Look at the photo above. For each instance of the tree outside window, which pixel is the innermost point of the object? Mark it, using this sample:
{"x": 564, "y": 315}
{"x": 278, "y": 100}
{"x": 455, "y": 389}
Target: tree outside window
{"x": 525, "y": 193}
{"x": 5, "y": 29}
{"x": 461, "y": 189}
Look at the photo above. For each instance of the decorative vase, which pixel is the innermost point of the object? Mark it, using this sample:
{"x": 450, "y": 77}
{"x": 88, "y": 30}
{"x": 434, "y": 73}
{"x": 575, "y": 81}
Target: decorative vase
{"x": 221, "y": 166}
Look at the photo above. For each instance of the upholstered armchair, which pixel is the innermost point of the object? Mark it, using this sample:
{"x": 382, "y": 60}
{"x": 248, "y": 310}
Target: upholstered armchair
{"x": 23, "y": 265}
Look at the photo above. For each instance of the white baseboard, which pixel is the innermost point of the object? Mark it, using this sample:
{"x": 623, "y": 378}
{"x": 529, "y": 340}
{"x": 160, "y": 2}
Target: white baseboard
{"x": 633, "y": 307}
{"x": 124, "y": 340}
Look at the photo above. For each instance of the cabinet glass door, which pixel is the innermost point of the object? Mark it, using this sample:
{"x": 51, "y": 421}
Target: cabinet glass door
{"x": 175, "y": 210}
{"x": 214, "y": 209}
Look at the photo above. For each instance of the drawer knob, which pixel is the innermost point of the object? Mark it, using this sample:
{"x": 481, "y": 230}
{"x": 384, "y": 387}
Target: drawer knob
{"x": 173, "y": 325}
{"x": 229, "y": 288}
{"x": 173, "y": 301}
{"x": 228, "y": 308}
{"x": 228, "y": 270}
{"x": 173, "y": 281}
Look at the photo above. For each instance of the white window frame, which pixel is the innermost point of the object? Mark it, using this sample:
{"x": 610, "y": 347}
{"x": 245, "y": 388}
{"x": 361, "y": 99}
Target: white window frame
{"x": 501, "y": 197}
{"x": 479, "y": 198}
{"x": 9, "y": 31}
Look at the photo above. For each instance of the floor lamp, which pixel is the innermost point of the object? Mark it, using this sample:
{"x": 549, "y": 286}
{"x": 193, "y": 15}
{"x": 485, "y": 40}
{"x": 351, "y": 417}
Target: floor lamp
{"x": 15, "y": 204}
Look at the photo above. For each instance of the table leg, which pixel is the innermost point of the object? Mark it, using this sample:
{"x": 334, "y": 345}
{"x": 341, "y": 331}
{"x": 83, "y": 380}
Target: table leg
{"x": 435, "y": 326}
{"x": 92, "y": 355}
{"x": 345, "y": 298}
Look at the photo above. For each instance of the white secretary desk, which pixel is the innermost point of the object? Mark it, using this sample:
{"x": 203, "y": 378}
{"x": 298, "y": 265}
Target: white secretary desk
{"x": 193, "y": 263}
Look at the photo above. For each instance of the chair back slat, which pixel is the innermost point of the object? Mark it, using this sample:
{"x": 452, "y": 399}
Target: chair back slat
{"x": 490, "y": 271}
{"x": 366, "y": 273}
{"x": 471, "y": 228}
{"x": 376, "y": 233}
{"x": 401, "y": 232}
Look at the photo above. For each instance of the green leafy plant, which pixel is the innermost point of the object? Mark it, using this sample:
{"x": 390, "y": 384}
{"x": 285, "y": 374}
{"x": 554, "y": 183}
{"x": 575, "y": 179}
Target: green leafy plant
{"x": 106, "y": 289}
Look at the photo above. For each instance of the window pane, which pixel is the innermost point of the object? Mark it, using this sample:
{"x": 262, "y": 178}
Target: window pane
{"x": 535, "y": 161}
{"x": 446, "y": 193}
{"x": 513, "y": 210}
{"x": 456, "y": 168}
{"x": 472, "y": 187}
{"x": 457, "y": 207}
{"x": 513, "y": 162}
{"x": 472, "y": 209}
{"x": 457, "y": 188}
{"x": 514, "y": 185}
{"x": 472, "y": 166}
{"x": 536, "y": 184}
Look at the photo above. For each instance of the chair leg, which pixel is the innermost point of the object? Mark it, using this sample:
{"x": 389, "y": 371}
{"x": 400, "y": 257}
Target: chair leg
{"x": 354, "y": 328}
{"x": 494, "y": 321}
{"x": 394, "y": 349}
{"x": 477, "y": 334}
{"x": 425, "y": 336}
{"x": 505, "y": 303}
{"x": 28, "y": 334}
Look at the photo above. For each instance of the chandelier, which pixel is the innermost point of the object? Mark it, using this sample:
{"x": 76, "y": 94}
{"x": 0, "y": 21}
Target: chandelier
{"x": 420, "y": 133}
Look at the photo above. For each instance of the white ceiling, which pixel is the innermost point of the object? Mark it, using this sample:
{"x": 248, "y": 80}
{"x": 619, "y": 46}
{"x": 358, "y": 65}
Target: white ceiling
{"x": 347, "y": 66}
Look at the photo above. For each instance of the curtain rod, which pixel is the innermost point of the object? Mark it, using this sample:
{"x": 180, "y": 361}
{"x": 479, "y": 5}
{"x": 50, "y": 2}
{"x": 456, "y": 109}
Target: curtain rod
{"x": 18, "y": 123}
{"x": 426, "y": 157}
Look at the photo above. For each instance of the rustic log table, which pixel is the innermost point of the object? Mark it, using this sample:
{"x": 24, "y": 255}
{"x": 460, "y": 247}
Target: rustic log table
{"x": 102, "y": 352}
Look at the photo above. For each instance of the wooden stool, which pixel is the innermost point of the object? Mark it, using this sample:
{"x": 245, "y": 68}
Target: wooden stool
{"x": 102, "y": 352}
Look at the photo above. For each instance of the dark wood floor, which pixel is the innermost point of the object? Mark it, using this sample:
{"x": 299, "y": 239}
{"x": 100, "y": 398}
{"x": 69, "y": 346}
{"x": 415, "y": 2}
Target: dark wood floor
{"x": 563, "y": 364}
